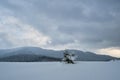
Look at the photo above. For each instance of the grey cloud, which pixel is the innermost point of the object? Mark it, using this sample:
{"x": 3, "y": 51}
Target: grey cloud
{"x": 4, "y": 42}
{"x": 79, "y": 10}
{"x": 103, "y": 35}
{"x": 93, "y": 23}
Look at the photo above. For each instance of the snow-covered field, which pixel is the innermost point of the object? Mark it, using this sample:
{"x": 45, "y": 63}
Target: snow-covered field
{"x": 60, "y": 71}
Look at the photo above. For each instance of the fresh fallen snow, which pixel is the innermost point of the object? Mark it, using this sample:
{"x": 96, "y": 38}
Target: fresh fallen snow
{"x": 60, "y": 71}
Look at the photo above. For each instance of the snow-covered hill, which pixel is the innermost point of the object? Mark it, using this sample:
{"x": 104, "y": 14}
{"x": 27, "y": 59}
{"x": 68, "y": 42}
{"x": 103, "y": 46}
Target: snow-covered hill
{"x": 60, "y": 71}
{"x": 34, "y": 54}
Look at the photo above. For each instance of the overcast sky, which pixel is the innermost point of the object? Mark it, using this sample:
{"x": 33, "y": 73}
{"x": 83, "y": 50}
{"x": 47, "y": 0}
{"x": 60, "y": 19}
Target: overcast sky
{"x": 88, "y": 25}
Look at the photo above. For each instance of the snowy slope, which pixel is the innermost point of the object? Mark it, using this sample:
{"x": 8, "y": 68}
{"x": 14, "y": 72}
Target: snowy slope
{"x": 60, "y": 71}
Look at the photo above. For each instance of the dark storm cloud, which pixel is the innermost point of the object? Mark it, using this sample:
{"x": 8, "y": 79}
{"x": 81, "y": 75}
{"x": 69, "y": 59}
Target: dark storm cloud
{"x": 79, "y": 10}
{"x": 87, "y": 23}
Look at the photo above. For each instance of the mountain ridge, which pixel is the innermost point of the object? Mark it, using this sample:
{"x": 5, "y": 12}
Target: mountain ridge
{"x": 36, "y": 53}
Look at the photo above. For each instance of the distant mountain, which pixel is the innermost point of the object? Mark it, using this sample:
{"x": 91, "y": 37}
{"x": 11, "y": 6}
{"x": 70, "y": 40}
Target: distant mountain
{"x": 28, "y": 58}
{"x": 33, "y": 54}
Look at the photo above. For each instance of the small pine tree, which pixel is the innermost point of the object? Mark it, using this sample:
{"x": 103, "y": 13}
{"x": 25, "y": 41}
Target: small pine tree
{"x": 68, "y": 57}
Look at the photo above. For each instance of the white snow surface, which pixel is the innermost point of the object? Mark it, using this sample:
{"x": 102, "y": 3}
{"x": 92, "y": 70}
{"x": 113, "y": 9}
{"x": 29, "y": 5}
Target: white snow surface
{"x": 60, "y": 71}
